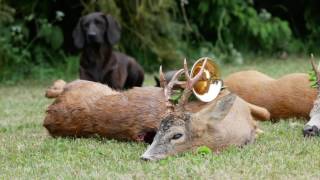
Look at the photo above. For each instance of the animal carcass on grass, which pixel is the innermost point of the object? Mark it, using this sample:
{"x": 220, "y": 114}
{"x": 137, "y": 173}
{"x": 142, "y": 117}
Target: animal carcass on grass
{"x": 286, "y": 97}
{"x": 226, "y": 121}
{"x": 84, "y": 109}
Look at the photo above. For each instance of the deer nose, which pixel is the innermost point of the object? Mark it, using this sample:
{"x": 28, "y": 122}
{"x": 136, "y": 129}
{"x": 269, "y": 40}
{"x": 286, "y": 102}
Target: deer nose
{"x": 148, "y": 157}
{"x": 309, "y": 131}
{"x": 145, "y": 158}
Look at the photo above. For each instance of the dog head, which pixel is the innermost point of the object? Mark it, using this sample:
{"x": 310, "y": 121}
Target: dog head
{"x": 96, "y": 29}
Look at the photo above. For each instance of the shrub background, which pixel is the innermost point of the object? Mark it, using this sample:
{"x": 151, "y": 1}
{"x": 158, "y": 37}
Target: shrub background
{"x": 36, "y": 39}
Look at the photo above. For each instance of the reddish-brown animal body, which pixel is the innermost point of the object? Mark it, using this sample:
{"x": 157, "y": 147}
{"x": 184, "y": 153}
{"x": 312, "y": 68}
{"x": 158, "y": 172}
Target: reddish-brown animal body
{"x": 85, "y": 109}
{"x": 288, "y": 96}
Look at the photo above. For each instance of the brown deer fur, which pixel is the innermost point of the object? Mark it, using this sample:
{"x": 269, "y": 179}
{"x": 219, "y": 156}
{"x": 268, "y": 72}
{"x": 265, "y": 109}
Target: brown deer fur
{"x": 288, "y": 96}
{"x": 236, "y": 128}
{"x": 84, "y": 109}
{"x": 226, "y": 121}
{"x": 87, "y": 108}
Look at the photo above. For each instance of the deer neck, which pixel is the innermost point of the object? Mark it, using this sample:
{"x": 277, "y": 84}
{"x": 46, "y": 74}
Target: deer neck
{"x": 208, "y": 133}
{"x": 198, "y": 129}
{"x": 316, "y": 106}
{"x": 315, "y": 113}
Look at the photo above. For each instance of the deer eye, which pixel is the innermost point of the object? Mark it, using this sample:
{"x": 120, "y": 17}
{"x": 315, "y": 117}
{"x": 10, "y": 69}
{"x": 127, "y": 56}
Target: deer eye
{"x": 177, "y": 136}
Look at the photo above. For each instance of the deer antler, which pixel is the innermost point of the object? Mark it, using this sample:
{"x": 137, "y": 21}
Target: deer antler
{"x": 316, "y": 70}
{"x": 167, "y": 87}
{"x": 190, "y": 82}
{"x": 162, "y": 79}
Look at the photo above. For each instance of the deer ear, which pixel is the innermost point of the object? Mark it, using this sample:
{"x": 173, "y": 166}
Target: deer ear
{"x": 218, "y": 110}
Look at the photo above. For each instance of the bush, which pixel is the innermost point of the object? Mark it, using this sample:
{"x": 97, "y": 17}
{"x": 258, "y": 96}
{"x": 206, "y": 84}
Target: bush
{"x": 153, "y": 31}
{"x": 237, "y": 25}
{"x": 21, "y": 50}
{"x": 312, "y": 17}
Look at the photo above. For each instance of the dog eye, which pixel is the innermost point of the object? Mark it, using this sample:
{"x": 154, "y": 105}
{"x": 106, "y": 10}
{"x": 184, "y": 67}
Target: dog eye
{"x": 177, "y": 136}
{"x": 97, "y": 22}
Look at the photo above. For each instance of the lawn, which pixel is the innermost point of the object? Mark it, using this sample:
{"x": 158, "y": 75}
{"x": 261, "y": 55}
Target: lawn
{"x": 27, "y": 152}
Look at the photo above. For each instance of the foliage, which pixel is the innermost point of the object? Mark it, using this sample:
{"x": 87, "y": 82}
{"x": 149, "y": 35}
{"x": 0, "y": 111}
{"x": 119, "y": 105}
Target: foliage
{"x": 6, "y": 12}
{"x": 236, "y": 25}
{"x": 21, "y": 50}
{"x": 151, "y": 31}
{"x": 312, "y": 17}
{"x": 175, "y": 97}
{"x": 203, "y": 150}
{"x": 155, "y": 31}
{"x": 312, "y": 79}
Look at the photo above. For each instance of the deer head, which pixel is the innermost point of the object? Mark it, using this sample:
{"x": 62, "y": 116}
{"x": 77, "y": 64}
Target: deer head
{"x": 312, "y": 128}
{"x": 180, "y": 130}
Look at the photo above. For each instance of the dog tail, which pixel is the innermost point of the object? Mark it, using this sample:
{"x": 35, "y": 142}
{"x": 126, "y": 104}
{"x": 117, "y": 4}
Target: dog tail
{"x": 259, "y": 113}
{"x": 56, "y": 89}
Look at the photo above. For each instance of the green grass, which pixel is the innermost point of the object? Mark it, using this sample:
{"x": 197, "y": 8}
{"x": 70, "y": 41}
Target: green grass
{"x": 27, "y": 152}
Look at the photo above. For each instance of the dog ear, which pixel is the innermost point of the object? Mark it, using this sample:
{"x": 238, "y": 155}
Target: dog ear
{"x": 114, "y": 30}
{"x": 78, "y": 35}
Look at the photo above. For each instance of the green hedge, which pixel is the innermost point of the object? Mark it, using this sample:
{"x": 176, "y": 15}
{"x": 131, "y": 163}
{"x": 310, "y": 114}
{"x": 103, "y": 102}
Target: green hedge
{"x": 38, "y": 33}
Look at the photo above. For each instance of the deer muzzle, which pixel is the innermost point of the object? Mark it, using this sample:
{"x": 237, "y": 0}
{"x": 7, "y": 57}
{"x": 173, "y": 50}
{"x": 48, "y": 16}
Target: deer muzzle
{"x": 309, "y": 131}
{"x": 156, "y": 151}
{"x": 312, "y": 128}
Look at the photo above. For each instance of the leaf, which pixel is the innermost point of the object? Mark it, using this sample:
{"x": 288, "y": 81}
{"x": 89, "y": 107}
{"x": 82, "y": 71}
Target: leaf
{"x": 56, "y": 37}
{"x": 203, "y": 7}
{"x": 313, "y": 79}
{"x": 203, "y": 150}
{"x": 176, "y": 96}
{"x": 52, "y": 35}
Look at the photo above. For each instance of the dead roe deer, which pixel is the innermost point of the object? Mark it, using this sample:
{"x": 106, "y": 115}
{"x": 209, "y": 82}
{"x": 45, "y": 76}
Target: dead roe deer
{"x": 84, "y": 109}
{"x": 286, "y": 97}
{"x": 226, "y": 121}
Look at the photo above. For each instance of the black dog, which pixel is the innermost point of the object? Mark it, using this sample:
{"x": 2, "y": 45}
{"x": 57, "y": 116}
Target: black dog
{"x": 96, "y": 33}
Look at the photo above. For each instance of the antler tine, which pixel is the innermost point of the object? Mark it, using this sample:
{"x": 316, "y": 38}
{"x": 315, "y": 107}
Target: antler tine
{"x": 174, "y": 80}
{"x": 314, "y": 66}
{"x": 190, "y": 82}
{"x": 186, "y": 70}
{"x": 168, "y": 89}
{"x": 316, "y": 70}
{"x": 163, "y": 81}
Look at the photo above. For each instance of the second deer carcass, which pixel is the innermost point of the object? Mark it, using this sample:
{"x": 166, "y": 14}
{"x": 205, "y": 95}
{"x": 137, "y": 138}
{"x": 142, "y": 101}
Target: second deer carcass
{"x": 286, "y": 97}
{"x": 226, "y": 121}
